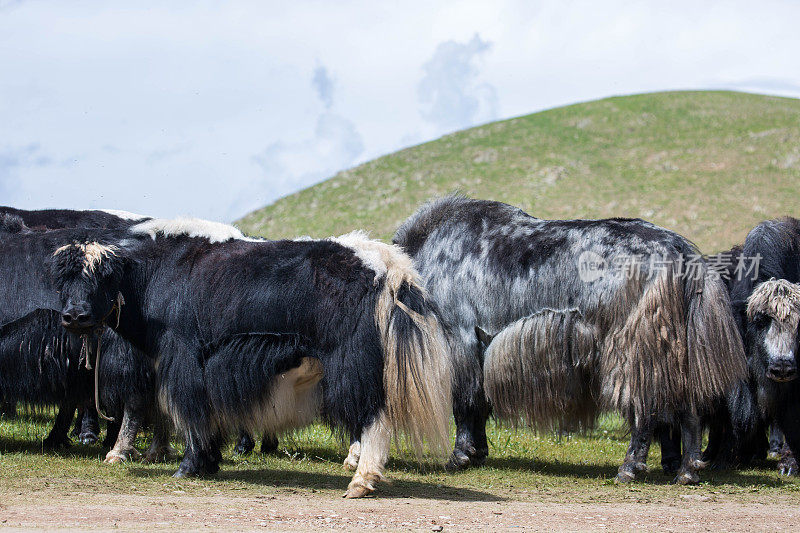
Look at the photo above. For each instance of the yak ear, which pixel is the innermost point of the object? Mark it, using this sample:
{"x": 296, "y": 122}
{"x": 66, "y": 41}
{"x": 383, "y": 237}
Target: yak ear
{"x": 484, "y": 339}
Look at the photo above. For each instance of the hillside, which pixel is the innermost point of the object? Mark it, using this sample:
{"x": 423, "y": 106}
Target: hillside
{"x": 708, "y": 164}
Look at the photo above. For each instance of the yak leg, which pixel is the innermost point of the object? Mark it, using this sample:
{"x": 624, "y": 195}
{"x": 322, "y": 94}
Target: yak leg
{"x": 775, "y": 442}
{"x": 245, "y": 444}
{"x": 90, "y": 425}
{"x": 58, "y": 436}
{"x": 375, "y": 441}
{"x": 123, "y": 449}
{"x": 669, "y": 436}
{"x": 636, "y": 458}
{"x": 199, "y": 461}
{"x": 788, "y": 421}
{"x": 470, "y": 408}
{"x": 160, "y": 447}
{"x": 112, "y": 433}
{"x": 353, "y": 455}
{"x": 8, "y": 409}
{"x": 269, "y": 443}
{"x": 76, "y": 428}
{"x": 692, "y": 434}
{"x": 787, "y": 466}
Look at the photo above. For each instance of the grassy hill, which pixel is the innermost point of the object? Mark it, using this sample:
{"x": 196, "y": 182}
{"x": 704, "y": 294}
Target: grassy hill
{"x": 708, "y": 164}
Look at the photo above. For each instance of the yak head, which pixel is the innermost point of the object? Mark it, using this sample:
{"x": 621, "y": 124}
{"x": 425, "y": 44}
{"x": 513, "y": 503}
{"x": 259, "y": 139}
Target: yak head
{"x": 773, "y": 314}
{"x": 87, "y": 276}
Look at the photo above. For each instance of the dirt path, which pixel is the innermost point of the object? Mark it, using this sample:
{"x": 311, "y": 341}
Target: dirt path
{"x": 300, "y": 511}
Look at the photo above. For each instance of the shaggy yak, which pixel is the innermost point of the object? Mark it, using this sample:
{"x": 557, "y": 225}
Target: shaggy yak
{"x": 727, "y": 447}
{"x": 87, "y": 424}
{"x": 268, "y": 334}
{"x": 769, "y": 312}
{"x": 585, "y": 315}
{"x": 42, "y": 364}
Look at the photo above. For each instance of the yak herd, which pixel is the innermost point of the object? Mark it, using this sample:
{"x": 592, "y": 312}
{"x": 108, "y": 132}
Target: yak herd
{"x": 477, "y": 308}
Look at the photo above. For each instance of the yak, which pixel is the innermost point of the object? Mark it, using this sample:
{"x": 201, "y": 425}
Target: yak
{"x": 42, "y": 364}
{"x": 586, "y": 315}
{"x": 768, "y": 309}
{"x": 268, "y": 334}
{"x": 87, "y": 423}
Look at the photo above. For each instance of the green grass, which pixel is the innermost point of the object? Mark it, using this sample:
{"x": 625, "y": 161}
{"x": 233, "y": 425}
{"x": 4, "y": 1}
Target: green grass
{"x": 707, "y": 164}
{"x": 522, "y": 466}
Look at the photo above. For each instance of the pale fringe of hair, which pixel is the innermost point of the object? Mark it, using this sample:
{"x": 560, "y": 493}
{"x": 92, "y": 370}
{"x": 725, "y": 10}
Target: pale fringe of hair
{"x": 664, "y": 356}
{"x": 93, "y": 253}
{"x": 777, "y": 298}
{"x": 189, "y": 226}
{"x": 539, "y": 368}
{"x": 416, "y": 373}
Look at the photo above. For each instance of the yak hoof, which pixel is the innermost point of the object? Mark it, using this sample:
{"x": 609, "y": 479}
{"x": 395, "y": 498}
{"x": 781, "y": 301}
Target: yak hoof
{"x": 244, "y": 447}
{"x": 56, "y": 443}
{"x": 624, "y": 477}
{"x": 116, "y": 457}
{"x": 671, "y": 467}
{"x": 788, "y": 467}
{"x": 158, "y": 455}
{"x": 88, "y": 438}
{"x": 686, "y": 478}
{"x": 269, "y": 444}
{"x": 358, "y": 491}
{"x": 458, "y": 461}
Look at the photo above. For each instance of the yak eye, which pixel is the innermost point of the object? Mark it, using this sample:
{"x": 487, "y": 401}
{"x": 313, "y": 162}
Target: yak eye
{"x": 761, "y": 320}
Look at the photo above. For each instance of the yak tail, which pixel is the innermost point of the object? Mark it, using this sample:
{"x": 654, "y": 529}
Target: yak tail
{"x": 714, "y": 343}
{"x": 539, "y": 368}
{"x": 416, "y": 369}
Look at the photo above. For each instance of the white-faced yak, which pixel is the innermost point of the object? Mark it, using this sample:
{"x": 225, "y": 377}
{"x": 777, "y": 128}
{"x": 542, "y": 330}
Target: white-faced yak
{"x": 268, "y": 334}
{"x": 42, "y": 364}
{"x": 586, "y": 315}
{"x": 768, "y": 308}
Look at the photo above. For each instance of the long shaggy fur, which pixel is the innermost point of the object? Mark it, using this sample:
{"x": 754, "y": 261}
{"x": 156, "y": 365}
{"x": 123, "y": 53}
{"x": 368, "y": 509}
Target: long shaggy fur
{"x": 416, "y": 370}
{"x": 541, "y": 367}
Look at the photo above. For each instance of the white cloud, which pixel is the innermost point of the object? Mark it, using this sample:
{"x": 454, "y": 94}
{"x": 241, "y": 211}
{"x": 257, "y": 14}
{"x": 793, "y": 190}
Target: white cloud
{"x": 450, "y": 92}
{"x": 288, "y": 166}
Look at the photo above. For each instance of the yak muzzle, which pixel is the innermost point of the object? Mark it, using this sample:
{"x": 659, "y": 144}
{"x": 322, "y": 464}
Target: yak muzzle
{"x": 782, "y": 370}
{"x": 77, "y": 317}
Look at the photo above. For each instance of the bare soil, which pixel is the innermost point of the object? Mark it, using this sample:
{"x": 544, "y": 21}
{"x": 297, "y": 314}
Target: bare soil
{"x": 49, "y": 507}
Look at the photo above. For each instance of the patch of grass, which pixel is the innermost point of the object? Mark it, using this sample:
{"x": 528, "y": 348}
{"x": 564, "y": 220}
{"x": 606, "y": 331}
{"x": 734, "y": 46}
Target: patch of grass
{"x": 522, "y": 466}
{"x": 707, "y": 164}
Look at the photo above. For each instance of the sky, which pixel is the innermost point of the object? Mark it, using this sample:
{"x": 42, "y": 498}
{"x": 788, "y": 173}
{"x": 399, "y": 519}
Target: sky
{"x": 217, "y": 108}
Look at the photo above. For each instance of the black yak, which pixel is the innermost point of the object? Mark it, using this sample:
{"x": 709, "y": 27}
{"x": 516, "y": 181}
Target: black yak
{"x": 768, "y": 308}
{"x": 42, "y": 364}
{"x": 268, "y": 334}
{"x": 587, "y": 315}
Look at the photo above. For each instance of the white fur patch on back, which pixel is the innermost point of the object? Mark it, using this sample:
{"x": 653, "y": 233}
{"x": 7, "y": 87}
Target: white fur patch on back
{"x": 93, "y": 253}
{"x": 189, "y": 226}
{"x": 126, "y": 215}
{"x": 378, "y": 256}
